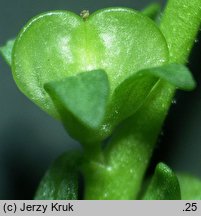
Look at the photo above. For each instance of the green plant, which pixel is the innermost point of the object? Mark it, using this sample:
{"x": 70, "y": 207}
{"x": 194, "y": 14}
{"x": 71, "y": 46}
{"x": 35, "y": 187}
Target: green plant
{"x": 110, "y": 78}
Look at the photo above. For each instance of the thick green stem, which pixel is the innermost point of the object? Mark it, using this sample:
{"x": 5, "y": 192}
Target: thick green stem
{"x": 128, "y": 155}
{"x": 129, "y": 152}
{"x": 180, "y": 24}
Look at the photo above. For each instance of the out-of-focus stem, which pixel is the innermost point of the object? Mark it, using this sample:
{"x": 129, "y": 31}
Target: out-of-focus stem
{"x": 152, "y": 11}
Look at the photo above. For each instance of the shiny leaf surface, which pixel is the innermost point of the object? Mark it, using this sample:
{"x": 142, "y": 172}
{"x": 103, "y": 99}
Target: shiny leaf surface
{"x": 58, "y": 44}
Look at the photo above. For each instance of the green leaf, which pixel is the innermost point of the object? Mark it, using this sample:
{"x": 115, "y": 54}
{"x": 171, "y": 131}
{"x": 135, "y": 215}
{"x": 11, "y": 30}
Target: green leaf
{"x": 164, "y": 185}
{"x": 190, "y": 187}
{"x": 152, "y": 11}
{"x": 81, "y": 100}
{"x": 61, "y": 180}
{"x": 176, "y": 74}
{"x": 58, "y": 44}
{"x": 132, "y": 93}
{"x": 129, "y": 96}
{"x": 6, "y": 51}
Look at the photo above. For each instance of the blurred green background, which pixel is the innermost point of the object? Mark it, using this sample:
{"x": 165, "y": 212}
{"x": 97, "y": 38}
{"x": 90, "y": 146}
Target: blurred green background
{"x": 30, "y": 139}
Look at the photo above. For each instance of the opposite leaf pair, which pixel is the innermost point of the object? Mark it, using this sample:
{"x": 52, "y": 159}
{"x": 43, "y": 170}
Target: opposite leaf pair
{"x": 62, "y": 182}
{"x": 97, "y": 71}
{"x": 83, "y": 100}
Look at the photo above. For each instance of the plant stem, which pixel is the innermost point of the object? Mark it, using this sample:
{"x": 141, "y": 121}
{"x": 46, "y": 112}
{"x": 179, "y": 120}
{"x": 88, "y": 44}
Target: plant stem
{"x": 131, "y": 147}
{"x": 152, "y": 10}
{"x": 129, "y": 152}
{"x": 180, "y": 24}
